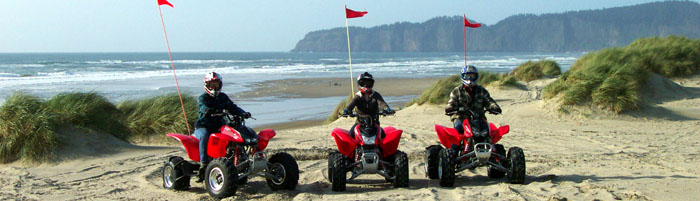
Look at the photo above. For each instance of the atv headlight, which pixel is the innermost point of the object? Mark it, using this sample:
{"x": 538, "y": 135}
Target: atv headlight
{"x": 369, "y": 140}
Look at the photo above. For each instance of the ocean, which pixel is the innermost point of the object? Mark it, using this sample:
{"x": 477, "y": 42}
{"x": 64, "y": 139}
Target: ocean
{"x": 126, "y": 76}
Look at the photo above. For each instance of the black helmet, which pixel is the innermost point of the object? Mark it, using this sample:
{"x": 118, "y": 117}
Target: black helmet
{"x": 365, "y": 81}
{"x": 467, "y": 79}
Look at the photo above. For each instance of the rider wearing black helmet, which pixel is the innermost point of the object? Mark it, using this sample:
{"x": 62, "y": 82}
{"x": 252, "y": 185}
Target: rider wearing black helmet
{"x": 367, "y": 101}
{"x": 469, "y": 97}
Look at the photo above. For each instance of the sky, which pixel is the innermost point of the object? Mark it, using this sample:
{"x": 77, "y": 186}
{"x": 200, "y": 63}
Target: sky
{"x": 229, "y": 25}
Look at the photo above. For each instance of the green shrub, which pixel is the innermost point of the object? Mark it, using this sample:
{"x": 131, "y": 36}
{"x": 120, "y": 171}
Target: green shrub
{"x": 157, "y": 116}
{"x": 89, "y": 110}
{"x": 439, "y": 92}
{"x": 612, "y": 78}
{"x": 532, "y": 70}
{"x": 338, "y": 109}
{"x": 27, "y": 129}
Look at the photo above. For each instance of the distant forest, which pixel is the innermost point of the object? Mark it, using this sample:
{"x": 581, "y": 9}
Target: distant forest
{"x": 569, "y": 31}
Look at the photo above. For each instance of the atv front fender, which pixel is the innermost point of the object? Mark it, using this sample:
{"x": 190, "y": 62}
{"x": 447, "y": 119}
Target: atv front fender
{"x": 391, "y": 142}
{"x": 264, "y": 137}
{"x": 447, "y": 136}
{"x": 346, "y": 144}
{"x": 189, "y": 143}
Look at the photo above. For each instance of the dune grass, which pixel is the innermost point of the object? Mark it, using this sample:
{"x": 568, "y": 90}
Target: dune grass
{"x": 28, "y": 125}
{"x": 532, "y": 70}
{"x": 339, "y": 109}
{"x": 439, "y": 92}
{"x": 157, "y": 116}
{"x": 27, "y": 129}
{"x": 612, "y": 78}
{"x": 89, "y": 110}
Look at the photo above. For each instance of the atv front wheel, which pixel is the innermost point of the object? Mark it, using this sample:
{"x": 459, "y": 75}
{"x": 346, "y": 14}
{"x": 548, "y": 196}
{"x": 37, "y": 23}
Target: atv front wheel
{"x": 339, "y": 180}
{"x": 516, "y": 171}
{"x": 174, "y": 177}
{"x": 493, "y": 172}
{"x": 331, "y": 158}
{"x": 431, "y": 161}
{"x": 446, "y": 168}
{"x": 400, "y": 169}
{"x": 285, "y": 168}
{"x": 221, "y": 178}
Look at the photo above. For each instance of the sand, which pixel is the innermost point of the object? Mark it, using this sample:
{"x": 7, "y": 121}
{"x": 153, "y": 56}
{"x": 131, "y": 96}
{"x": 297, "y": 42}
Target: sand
{"x": 326, "y": 87}
{"x": 653, "y": 155}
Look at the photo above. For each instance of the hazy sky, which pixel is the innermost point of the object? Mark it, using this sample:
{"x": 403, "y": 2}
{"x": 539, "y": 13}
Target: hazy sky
{"x": 218, "y": 25}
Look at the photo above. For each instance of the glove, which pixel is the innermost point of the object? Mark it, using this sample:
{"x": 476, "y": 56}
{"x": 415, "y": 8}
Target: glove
{"x": 346, "y": 112}
{"x": 495, "y": 109}
{"x": 389, "y": 111}
{"x": 247, "y": 115}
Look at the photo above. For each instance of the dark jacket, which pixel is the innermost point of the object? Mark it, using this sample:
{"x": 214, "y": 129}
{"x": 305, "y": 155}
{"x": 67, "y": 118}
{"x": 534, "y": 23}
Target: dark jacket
{"x": 368, "y": 105}
{"x": 209, "y": 104}
{"x": 477, "y": 100}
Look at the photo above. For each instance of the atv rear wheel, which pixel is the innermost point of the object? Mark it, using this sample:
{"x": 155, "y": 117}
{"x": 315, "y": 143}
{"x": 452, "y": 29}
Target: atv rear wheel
{"x": 446, "y": 168}
{"x": 221, "y": 178}
{"x": 285, "y": 167}
{"x": 339, "y": 180}
{"x": 400, "y": 169}
{"x": 493, "y": 172}
{"x": 431, "y": 161}
{"x": 331, "y": 158}
{"x": 516, "y": 171}
{"x": 174, "y": 177}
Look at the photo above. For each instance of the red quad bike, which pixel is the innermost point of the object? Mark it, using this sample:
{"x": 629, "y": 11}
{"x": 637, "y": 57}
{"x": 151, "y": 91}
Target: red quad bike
{"x": 372, "y": 150}
{"x": 480, "y": 138}
{"x": 236, "y": 155}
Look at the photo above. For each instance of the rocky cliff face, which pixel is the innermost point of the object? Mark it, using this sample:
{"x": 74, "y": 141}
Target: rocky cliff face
{"x": 570, "y": 31}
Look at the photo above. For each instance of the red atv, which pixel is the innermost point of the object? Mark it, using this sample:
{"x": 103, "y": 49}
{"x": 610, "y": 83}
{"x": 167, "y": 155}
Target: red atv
{"x": 371, "y": 150}
{"x": 235, "y": 157}
{"x": 476, "y": 147}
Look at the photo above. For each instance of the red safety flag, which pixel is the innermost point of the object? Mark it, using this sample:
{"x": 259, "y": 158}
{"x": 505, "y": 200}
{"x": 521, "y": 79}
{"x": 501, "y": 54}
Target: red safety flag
{"x": 165, "y": 2}
{"x": 353, "y": 14}
{"x": 470, "y": 25}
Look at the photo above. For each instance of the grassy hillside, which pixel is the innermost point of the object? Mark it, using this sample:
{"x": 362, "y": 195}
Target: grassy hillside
{"x": 611, "y": 79}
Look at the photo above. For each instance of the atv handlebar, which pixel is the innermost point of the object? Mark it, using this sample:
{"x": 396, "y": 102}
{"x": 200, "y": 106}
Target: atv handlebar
{"x": 354, "y": 114}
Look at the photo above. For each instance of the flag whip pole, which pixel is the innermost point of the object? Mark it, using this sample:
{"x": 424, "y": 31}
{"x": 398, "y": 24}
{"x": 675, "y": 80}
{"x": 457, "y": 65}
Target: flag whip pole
{"x": 465, "y": 42}
{"x": 172, "y": 65}
{"x": 347, "y": 33}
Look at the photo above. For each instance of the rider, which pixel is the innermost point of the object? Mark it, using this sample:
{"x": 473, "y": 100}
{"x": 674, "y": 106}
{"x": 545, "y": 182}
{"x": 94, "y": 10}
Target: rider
{"x": 367, "y": 101}
{"x": 469, "y": 97}
{"x": 212, "y": 104}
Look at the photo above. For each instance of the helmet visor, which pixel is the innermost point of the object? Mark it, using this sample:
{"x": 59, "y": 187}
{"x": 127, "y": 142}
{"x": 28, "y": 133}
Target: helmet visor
{"x": 469, "y": 76}
{"x": 366, "y": 83}
{"x": 213, "y": 85}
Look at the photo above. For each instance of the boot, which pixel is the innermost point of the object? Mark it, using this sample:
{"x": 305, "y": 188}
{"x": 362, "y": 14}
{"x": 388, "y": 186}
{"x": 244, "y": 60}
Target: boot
{"x": 200, "y": 173}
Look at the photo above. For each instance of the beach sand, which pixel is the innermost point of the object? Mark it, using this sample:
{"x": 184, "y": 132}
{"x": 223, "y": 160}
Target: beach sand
{"x": 652, "y": 155}
{"x": 325, "y": 87}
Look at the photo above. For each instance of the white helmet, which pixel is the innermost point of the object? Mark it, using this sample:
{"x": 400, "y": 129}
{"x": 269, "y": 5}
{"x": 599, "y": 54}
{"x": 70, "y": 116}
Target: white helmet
{"x": 213, "y": 84}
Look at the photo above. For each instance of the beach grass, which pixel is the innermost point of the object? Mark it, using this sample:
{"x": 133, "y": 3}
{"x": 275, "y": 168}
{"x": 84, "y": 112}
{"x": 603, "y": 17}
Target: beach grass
{"x": 612, "y": 79}
{"x": 29, "y": 125}
{"x": 27, "y": 129}
{"x": 89, "y": 111}
{"x": 439, "y": 92}
{"x": 156, "y": 116}
{"x": 532, "y": 70}
{"x": 339, "y": 109}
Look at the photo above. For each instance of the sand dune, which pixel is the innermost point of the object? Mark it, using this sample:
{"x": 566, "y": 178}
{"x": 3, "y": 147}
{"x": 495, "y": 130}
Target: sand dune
{"x": 648, "y": 155}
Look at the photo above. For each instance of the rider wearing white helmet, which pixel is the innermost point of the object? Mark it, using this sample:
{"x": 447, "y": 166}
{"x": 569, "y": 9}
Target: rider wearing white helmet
{"x": 211, "y": 103}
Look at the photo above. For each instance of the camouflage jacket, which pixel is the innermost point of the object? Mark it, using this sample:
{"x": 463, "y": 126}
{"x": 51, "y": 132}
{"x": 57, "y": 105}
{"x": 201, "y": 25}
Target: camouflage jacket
{"x": 479, "y": 101}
